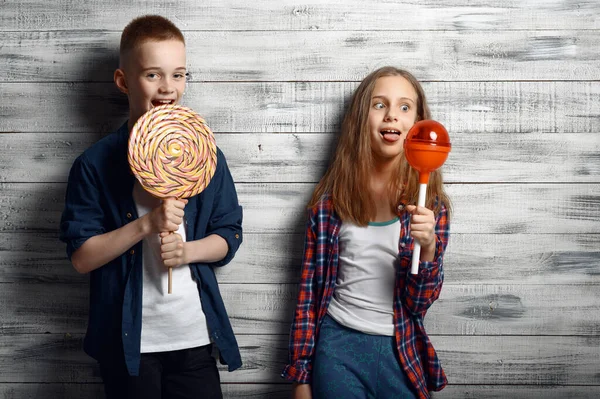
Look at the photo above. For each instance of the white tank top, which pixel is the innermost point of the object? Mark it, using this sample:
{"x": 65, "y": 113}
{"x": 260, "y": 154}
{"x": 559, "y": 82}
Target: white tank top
{"x": 169, "y": 321}
{"x": 363, "y": 298}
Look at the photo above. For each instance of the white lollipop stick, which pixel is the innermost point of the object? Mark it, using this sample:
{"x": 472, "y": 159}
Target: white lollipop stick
{"x": 414, "y": 268}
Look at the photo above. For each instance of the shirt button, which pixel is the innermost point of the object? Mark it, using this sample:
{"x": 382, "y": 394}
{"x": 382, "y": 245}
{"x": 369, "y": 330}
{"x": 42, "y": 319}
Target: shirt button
{"x": 132, "y": 252}
{"x": 402, "y": 244}
{"x": 129, "y": 215}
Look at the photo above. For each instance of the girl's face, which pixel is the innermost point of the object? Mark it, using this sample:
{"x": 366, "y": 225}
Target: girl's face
{"x": 392, "y": 113}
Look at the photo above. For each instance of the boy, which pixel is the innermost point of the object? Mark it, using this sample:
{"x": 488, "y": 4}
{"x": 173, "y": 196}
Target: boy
{"x": 150, "y": 344}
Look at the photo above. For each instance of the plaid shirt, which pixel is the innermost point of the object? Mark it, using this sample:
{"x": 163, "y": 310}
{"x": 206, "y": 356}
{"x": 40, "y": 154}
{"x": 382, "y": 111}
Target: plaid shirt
{"x": 413, "y": 296}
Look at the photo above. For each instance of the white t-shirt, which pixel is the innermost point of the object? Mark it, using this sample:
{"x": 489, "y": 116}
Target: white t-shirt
{"x": 169, "y": 321}
{"x": 363, "y": 298}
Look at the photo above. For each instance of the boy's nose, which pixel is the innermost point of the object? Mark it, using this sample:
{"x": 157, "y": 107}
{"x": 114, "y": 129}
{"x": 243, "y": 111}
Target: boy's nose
{"x": 166, "y": 87}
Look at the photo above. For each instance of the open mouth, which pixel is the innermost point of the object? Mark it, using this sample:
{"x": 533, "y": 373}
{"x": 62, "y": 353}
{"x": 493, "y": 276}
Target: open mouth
{"x": 390, "y": 131}
{"x": 157, "y": 103}
{"x": 390, "y": 135}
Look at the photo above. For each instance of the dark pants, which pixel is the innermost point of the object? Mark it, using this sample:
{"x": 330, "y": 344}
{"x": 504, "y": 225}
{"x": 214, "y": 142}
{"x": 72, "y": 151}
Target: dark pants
{"x": 183, "y": 374}
{"x": 349, "y": 364}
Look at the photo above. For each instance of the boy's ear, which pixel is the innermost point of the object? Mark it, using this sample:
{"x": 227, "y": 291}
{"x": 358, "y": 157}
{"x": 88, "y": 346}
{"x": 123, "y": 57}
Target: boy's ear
{"x": 120, "y": 81}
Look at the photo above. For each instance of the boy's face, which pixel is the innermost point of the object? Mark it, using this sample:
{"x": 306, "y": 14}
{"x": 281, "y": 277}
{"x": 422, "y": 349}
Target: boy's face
{"x": 153, "y": 74}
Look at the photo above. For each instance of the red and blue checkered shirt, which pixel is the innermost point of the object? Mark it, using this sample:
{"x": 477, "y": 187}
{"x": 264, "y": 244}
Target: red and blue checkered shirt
{"x": 413, "y": 295}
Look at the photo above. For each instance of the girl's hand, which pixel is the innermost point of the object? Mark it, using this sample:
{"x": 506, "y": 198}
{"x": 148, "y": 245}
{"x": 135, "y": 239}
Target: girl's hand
{"x": 301, "y": 391}
{"x": 422, "y": 225}
{"x": 172, "y": 250}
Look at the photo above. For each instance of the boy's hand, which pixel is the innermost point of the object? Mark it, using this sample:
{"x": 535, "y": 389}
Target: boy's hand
{"x": 422, "y": 224}
{"x": 172, "y": 250}
{"x": 167, "y": 216}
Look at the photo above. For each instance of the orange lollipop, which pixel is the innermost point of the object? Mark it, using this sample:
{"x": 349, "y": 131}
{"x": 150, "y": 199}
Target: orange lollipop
{"x": 426, "y": 147}
{"x": 172, "y": 153}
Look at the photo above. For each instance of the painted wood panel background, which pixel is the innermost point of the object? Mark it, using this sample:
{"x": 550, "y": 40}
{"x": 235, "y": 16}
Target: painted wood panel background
{"x": 517, "y": 84}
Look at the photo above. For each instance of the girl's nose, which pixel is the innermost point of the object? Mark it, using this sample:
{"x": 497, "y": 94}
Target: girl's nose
{"x": 391, "y": 115}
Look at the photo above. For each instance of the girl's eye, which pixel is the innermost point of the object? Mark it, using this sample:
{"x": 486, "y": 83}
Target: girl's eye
{"x": 378, "y": 106}
{"x": 152, "y": 75}
{"x": 179, "y": 76}
{"x": 405, "y": 108}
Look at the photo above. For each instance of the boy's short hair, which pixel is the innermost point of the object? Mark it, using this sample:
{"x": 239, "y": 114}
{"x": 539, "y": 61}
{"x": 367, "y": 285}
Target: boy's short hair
{"x": 148, "y": 27}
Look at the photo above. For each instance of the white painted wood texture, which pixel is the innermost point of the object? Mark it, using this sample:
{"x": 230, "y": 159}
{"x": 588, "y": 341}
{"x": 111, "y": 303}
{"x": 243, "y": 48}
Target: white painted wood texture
{"x": 483, "y": 157}
{"x": 517, "y": 84}
{"x": 35, "y": 257}
{"x": 309, "y": 107}
{"x": 275, "y": 15}
{"x": 311, "y": 55}
{"x": 479, "y": 360}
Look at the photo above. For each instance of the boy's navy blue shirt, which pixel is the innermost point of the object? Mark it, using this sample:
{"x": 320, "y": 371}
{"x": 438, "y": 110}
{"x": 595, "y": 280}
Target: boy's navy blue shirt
{"x": 98, "y": 200}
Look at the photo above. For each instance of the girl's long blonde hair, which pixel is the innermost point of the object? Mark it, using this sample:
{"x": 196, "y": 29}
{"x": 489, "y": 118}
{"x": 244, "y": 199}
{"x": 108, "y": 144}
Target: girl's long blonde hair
{"x": 347, "y": 178}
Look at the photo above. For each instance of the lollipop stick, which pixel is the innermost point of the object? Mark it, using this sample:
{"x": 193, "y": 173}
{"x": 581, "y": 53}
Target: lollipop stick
{"x": 414, "y": 269}
{"x": 170, "y": 284}
{"x": 171, "y": 274}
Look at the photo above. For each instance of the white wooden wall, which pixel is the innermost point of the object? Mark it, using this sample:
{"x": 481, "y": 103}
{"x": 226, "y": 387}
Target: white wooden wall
{"x": 516, "y": 82}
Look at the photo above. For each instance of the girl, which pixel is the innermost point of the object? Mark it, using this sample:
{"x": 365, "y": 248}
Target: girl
{"x": 358, "y": 327}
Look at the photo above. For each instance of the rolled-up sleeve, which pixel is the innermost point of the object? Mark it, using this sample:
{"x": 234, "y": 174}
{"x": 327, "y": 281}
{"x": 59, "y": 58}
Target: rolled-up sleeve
{"x": 82, "y": 217}
{"x": 226, "y": 217}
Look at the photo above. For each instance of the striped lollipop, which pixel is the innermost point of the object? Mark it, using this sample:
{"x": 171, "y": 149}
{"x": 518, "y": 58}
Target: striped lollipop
{"x": 172, "y": 153}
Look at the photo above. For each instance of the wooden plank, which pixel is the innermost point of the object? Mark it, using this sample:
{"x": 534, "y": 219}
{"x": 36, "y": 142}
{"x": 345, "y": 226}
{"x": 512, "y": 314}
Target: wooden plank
{"x": 28, "y": 257}
{"x": 306, "y": 107}
{"x": 269, "y": 15}
{"x": 96, "y": 390}
{"x": 517, "y": 392}
{"x": 481, "y": 208}
{"x": 462, "y": 309}
{"x": 34, "y": 390}
{"x": 280, "y": 208}
{"x": 303, "y": 157}
{"x": 537, "y": 361}
{"x": 282, "y": 391}
{"x": 66, "y": 56}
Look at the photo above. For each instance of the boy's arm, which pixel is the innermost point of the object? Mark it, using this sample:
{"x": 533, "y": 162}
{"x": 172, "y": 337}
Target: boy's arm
{"x": 101, "y": 249}
{"x": 206, "y": 250}
{"x": 83, "y": 229}
{"x": 224, "y": 231}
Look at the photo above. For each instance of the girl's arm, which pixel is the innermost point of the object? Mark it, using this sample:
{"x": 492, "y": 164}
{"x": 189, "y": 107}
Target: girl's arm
{"x": 301, "y": 391}
{"x": 422, "y": 289}
{"x": 303, "y": 329}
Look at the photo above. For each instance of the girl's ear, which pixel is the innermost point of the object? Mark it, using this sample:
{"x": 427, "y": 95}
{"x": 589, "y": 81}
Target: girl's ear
{"x": 120, "y": 81}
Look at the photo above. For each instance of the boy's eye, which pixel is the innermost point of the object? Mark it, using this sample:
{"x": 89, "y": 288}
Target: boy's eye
{"x": 152, "y": 75}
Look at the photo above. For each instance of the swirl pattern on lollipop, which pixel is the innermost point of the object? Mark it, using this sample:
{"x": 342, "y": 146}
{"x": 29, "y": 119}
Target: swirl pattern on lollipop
{"x": 172, "y": 152}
